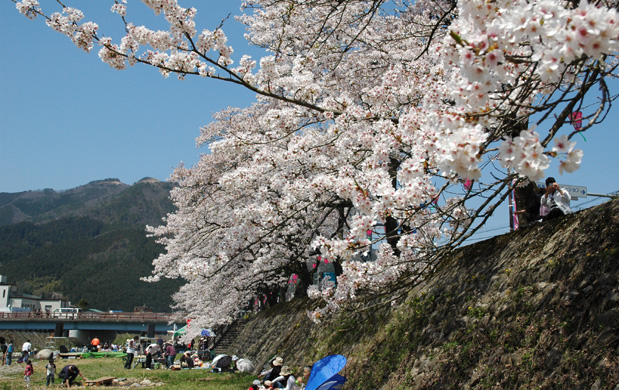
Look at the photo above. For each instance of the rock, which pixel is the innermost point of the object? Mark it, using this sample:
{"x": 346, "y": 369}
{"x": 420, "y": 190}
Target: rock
{"x": 44, "y": 354}
{"x": 146, "y": 382}
{"x": 569, "y": 298}
{"x": 553, "y": 357}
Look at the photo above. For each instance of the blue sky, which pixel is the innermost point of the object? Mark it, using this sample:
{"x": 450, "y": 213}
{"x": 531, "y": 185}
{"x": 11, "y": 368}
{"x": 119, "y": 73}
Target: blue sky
{"x": 67, "y": 119}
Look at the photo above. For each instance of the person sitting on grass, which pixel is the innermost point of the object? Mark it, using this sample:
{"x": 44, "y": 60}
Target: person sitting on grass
{"x": 273, "y": 372}
{"x": 285, "y": 379}
{"x": 556, "y": 200}
{"x": 187, "y": 360}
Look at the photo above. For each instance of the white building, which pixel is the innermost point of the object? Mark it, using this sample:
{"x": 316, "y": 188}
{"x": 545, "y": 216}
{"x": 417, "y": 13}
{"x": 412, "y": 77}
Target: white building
{"x": 10, "y": 300}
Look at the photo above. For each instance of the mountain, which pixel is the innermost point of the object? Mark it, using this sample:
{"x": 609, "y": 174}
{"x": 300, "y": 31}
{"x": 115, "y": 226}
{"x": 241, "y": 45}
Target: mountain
{"x": 87, "y": 243}
{"x": 106, "y": 200}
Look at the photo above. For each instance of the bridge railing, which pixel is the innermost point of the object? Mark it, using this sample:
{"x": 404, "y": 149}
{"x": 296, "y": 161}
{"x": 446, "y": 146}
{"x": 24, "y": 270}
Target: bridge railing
{"x": 123, "y": 316}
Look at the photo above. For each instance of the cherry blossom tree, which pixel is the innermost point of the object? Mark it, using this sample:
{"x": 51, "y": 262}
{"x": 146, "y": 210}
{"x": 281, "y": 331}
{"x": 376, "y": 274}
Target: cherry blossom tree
{"x": 369, "y": 117}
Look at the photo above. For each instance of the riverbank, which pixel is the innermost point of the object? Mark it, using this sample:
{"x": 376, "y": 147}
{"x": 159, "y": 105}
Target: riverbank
{"x": 534, "y": 309}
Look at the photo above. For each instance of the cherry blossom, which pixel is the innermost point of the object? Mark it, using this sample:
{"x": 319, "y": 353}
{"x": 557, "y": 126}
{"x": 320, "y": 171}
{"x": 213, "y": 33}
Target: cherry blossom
{"x": 28, "y": 8}
{"x": 368, "y": 116}
{"x": 120, "y": 9}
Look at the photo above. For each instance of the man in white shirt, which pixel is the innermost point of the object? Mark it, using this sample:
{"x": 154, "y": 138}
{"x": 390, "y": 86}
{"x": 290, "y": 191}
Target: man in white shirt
{"x": 556, "y": 200}
{"x": 132, "y": 346}
{"x": 25, "y": 350}
{"x": 151, "y": 350}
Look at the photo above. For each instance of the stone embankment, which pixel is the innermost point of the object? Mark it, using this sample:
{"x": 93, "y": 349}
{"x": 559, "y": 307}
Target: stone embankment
{"x": 533, "y": 309}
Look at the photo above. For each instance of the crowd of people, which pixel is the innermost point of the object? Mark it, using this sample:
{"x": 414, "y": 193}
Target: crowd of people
{"x": 162, "y": 352}
{"x": 106, "y": 346}
{"x": 277, "y": 376}
{"x": 7, "y": 348}
{"x": 198, "y": 355}
{"x": 67, "y": 375}
{"x": 280, "y": 376}
{"x": 7, "y": 351}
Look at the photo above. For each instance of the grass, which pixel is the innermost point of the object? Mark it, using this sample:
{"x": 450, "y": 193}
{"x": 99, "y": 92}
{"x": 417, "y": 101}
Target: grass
{"x": 12, "y": 377}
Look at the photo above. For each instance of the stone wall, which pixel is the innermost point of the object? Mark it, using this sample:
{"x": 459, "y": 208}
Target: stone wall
{"x": 533, "y": 309}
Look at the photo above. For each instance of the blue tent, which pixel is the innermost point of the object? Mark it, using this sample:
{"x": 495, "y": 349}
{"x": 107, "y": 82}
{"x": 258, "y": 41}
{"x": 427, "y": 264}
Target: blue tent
{"x": 335, "y": 383}
{"x": 324, "y": 375}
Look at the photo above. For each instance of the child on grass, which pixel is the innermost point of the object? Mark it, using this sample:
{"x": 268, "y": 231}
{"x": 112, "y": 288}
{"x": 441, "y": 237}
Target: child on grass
{"x": 28, "y": 372}
{"x": 51, "y": 372}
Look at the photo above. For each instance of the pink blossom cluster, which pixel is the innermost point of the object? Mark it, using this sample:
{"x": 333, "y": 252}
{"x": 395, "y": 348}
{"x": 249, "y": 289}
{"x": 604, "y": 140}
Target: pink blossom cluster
{"x": 67, "y": 23}
{"x": 525, "y": 154}
{"x": 28, "y": 8}
{"x": 570, "y": 158}
{"x": 120, "y": 9}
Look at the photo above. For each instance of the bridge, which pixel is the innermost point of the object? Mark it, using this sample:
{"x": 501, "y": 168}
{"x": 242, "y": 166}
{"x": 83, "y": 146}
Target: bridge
{"x": 116, "y": 322}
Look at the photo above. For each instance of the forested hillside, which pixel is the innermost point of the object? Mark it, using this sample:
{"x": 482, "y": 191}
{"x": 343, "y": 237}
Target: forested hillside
{"x": 87, "y": 243}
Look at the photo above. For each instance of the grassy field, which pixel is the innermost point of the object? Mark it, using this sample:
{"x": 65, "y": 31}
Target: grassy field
{"x": 12, "y": 377}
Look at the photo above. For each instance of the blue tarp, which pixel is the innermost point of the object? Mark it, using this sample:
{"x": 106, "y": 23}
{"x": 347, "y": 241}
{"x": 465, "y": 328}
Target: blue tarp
{"x": 324, "y": 375}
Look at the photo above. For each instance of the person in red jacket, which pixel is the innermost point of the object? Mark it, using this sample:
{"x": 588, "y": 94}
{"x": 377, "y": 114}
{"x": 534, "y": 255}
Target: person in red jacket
{"x": 28, "y": 372}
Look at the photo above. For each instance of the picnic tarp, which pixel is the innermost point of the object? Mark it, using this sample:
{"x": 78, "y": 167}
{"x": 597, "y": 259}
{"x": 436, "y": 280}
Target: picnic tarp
{"x": 96, "y": 355}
